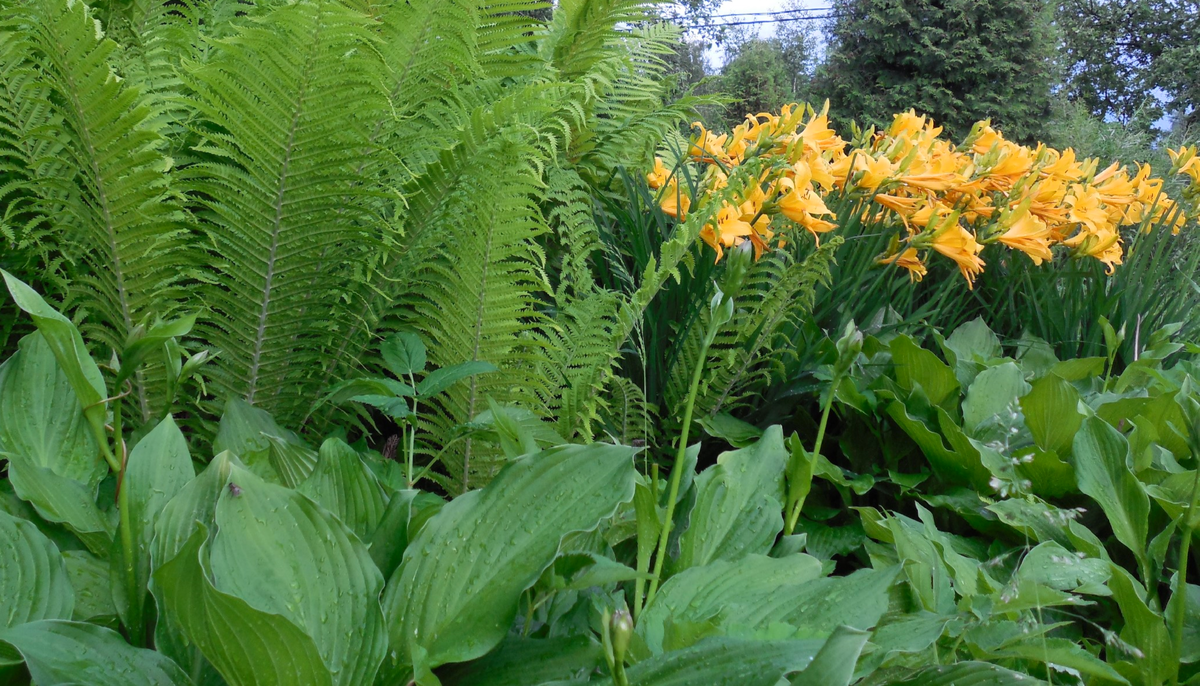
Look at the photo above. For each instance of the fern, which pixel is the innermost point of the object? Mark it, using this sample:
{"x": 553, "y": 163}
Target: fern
{"x": 779, "y": 291}
{"x": 109, "y": 194}
{"x": 284, "y": 107}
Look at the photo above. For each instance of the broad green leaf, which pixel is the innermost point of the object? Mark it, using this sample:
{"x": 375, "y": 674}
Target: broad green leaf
{"x": 917, "y": 366}
{"x": 590, "y": 569}
{"x": 440, "y": 379}
{"x": 730, "y": 429}
{"x": 62, "y": 500}
{"x": 283, "y": 554}
{"x": 953, "y": 465}
{"x": 527, "y": 661}
{"x": 401, "y": 520}
{"x": 722, "y": 661}
{"x": 1049, "y": 475}
{"x": 1064, "y": 653}
{"x": 834, "y": 663}
{"x": 195, "y": 503}
{"x": 1143, "y": 628}
{"x": 34, "y": 583}
{"x": 1102, "y": 472}
{"x": 1079, "y": 368}
{"x": 342, "y": 484}
{"x": 456, "y": 593}
{"x": 293, "y": 462}
{"x": 908, "y": 633}
{"x": 91, "y": 577}
{"x": 158, "y": 467}
{"x": 1035, "y": 355}
{"x": 62, "y": 652}
{"x": 404, "y": 354}
{"x": 993, "y": 393}
{"x": 68, "y": 348}
{"x": 41, "y": 419}
{"x": 1191, "y": 626}
{"x": 246, "y": 645}
{"x": 758, "y": 591}
{"x": 1052, "y": 565}
{"x": 245, "y": 431}
{"x": 739, "y": 504}
{"x": 396, "y": 408}
{"x": 961, "y": 674}
{"x": 971, "y": 347}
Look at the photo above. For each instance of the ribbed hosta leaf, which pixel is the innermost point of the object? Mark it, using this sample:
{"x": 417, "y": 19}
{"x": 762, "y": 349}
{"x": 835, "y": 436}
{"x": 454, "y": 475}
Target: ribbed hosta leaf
{"x": 739, "y": 504}
{"x": 725, "y": 662}
{"x": 283, "y": 554}
{"x": 455, "y": 595}
{"x": 752, "y": 592}
{"x": 41, "y": 419}
{"x": 33, "y": 577}
{"x": 158, "y": 467}
{"x": 246, "y": 645}
{"x": 342, "y": 484}
{"x": 285, "y": 106}
{"x": 62, "y": 652}
{"x": 268, "y": 449}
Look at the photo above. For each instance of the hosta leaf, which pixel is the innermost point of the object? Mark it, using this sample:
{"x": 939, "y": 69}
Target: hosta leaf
{"x": 41, "y": 418}
{"x": 342, "y": 484}
{"x": 62, "y": 652}
{"x": 66, "y": 501}
{"x": 293, "y": 462}
{"x": 158, "y": 467}
{"x": 455, "y": 595}
{"x": 758, "y": 592}
{"x": 1064, "y": 653}
{"x": 739, "y": 504}
{"x": 245, "y": 431}
{"x": 247, "y": 646}
{"x": 721, "y": 661}
{"x": 1101, "y": 471}
{"x": 527, "y": 661}
{"x": 68, "y": 348}
{"x": 91, "y": 577}
{"x": 1051, "y": 413}
{"x": 917, "y": 366}
{"x": 834, "y": 663}
{"x": 33, "y": 577}
{"x": 405, "y": 513}
{"x": 283, "y": 554}
{"x": 961, "y": 674}
{"x": 994, "y": 393}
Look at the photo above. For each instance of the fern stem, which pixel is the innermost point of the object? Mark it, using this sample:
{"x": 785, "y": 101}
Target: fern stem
{"x": 677, "y": 468}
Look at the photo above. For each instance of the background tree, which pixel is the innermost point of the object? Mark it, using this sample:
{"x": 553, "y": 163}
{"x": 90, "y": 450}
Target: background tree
{"x": 1132, "y": 59}
{"x": 957, "y": 60}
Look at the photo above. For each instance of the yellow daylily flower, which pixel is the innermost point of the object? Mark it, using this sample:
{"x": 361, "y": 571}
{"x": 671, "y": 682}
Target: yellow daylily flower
{"x": 959, "y": 245}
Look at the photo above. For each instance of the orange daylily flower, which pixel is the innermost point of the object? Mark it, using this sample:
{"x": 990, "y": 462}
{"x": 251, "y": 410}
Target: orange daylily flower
{"x": 959, "y": 245}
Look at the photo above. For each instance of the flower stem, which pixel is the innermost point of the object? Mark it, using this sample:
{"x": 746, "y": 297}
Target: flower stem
{"x": 677, "y": 470}
{"x": 794, "y": 514}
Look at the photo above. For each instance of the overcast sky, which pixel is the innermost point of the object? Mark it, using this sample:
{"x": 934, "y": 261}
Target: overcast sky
{"x": 716, "y": 56}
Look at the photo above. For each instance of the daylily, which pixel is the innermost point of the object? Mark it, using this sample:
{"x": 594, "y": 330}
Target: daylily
{"x": 674, "y": 202}
{"x": 958, "y": 244}
{"x": 658, "y": 178}
{"x": 728, "y": 230}
{"x": 1030, "y": 235}
{"x": 909, "y": 260}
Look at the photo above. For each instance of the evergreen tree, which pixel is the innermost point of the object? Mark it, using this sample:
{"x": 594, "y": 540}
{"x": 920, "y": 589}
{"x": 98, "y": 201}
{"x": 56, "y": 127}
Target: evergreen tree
{"x": 957, "y": 60}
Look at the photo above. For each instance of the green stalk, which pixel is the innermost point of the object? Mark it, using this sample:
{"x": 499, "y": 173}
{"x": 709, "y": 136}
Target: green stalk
{"x": 677, "y": 469}
{"x": 137, "y": 628}
{"x": 412, "y": 437}
{"x": 794, "y": 514}
{"x": 1179, "y": 593}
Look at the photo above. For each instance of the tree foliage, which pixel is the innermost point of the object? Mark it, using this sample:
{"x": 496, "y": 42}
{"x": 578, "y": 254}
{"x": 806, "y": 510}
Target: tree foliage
{"x": 958, "y": 61}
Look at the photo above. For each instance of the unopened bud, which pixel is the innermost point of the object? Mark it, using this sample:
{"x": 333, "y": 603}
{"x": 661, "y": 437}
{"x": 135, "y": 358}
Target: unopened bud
{"x": 622, "y": 629}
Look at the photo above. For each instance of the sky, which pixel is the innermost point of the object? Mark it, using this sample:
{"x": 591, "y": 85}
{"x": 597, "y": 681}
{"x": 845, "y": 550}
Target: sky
{"x": 745, "y": 8}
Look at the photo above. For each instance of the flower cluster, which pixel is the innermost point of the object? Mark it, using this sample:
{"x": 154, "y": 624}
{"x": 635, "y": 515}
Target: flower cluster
{"x": 949, "y": 199}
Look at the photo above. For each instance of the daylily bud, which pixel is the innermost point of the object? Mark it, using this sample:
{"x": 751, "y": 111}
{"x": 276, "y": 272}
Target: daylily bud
{"x": 622, "y": 629}
{"x": 736, "y": 268}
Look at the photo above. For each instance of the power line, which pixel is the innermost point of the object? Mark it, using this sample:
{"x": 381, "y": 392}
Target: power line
{"x": 777, "y": 13}
{"x": 779, "y": 20}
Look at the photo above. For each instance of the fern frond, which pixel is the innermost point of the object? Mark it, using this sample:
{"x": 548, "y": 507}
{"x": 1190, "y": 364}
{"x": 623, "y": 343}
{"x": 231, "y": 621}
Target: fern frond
{"x": 778, "y": 292}
{"x": 284, "y": 105}
{"x": 109, "y": 193}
